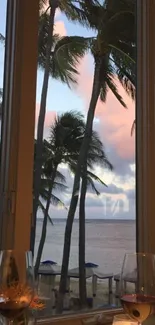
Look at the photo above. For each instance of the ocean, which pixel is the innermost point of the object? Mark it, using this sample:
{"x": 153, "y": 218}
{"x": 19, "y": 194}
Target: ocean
{"x": 106, "y": 242}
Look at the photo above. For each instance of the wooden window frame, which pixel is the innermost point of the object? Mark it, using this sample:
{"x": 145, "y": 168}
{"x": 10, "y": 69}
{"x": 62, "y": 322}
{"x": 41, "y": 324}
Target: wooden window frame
{"x": 18, "y": 120}
{"x": 18, "y": 132}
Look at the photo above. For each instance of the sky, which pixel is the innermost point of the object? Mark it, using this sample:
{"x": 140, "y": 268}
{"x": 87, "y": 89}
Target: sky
{"x": 112, "y": 122}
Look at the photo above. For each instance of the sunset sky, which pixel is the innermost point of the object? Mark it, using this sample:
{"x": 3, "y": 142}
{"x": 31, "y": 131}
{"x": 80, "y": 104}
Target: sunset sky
{"x": 112, "y": 121}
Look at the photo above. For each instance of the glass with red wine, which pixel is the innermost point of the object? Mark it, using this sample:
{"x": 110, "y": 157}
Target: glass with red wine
{"x": 138, "y": 299}
{"x": 16, "y": 283}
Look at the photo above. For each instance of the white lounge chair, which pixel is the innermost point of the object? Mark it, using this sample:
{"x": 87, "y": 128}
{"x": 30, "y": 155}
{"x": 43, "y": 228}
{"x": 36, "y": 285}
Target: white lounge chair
{"x": 95, "y": 274}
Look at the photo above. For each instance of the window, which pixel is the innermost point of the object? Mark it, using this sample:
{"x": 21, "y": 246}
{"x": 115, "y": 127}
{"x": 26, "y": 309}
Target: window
{"x": 18, "y": 137}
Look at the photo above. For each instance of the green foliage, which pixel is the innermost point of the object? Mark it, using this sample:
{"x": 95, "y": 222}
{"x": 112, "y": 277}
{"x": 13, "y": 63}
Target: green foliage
{"x": 65, "y": 54}
{"x": 66, "y": 136}
{"x": 115, "y": 46}
{"x": 58, "y": 186}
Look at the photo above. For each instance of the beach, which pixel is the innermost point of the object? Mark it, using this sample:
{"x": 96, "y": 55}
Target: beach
{"x": 106, "y": 243}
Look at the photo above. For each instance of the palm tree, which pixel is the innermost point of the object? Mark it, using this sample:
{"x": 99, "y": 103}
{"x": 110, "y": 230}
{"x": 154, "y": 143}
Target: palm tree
{"x": 63, "y": 147}
{"x": 58, "y": 57}
{"x": 62, "y": 66}
{"x": 65, "y": 141}
{"x": 88, "y": 179}
{"x": 54, "y": 200}
{"x": 58, "y": 184}
{"x": 110, "y": 39}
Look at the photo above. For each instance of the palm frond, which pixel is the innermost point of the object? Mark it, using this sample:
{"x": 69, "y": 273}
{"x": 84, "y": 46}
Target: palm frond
{"x": 91, "y": 184}
{"x": 95, "y": 178}
{"x": 113, "y": 88}
{"x": 125, "y": 71}
{"x": 41, "y": 206}
{"x": 103, "y": 92}
{"x": 79, "y": 11}
{"x": 59, "y": 186}
{"x": 57, "y": 202}
{"x": 67, "y": 54}
{"x": 122, "y": 52}
{"x": 91, "y": 177}
{"x": 60, "y": 177}
{"x": 133, "y": 127}
{"x": 65, "y": 136}
{"x": 54, "y": 200}
{"x": 127, "y": 84}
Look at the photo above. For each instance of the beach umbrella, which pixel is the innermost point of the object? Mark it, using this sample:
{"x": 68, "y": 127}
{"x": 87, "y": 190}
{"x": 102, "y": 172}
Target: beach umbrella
{"x": 49, "y": 267}
{"x": 47, "y": 273}
{"x": 49, "y": 262}
{"x": 90, "y": 264}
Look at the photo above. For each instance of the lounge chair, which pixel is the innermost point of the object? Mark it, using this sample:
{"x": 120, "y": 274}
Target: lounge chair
{"x": 95, "y": 274}
{"x": 130, "y": 278}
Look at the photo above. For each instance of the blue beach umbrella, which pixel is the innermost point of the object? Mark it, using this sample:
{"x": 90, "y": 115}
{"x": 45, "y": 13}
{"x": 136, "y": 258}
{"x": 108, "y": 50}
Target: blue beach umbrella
{"x": 90, "y": 264}
{"x": 49, "y": 262}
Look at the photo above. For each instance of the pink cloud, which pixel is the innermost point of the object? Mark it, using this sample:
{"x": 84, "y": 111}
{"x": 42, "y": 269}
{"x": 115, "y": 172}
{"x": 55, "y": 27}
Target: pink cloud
{"x": 46, "y": 8}
{"x": 59, "y": 28}
{"x": 114, "y": 120}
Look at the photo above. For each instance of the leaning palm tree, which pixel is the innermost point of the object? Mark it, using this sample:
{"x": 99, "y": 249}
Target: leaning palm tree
{"x": 109, "y": 39}
{"x": 63, "y": 147}
{"x": 58, "y": 185}
{"x": 43, "y": 202}
{"x": 65, "y": 141}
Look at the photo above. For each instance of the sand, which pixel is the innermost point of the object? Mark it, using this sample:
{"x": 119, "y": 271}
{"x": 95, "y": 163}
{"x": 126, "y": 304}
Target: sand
{"x": 101, "y": 300}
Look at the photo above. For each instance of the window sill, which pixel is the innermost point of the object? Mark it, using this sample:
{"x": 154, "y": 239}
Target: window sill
{"x": 89, "y": 318}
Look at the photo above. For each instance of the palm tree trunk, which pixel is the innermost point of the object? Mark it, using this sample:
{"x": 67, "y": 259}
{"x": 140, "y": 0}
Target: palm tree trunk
{"x": 44, "y": 227}
{"x": 82, "y": 270}
{"x": 75, "y": 194}
{"x": 40, "y": 129}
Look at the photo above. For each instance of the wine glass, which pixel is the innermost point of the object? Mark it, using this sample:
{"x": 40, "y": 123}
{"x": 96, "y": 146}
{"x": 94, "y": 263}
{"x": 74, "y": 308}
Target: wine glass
{"x": 139, "y": 271}
{"x": 16, "y": 282}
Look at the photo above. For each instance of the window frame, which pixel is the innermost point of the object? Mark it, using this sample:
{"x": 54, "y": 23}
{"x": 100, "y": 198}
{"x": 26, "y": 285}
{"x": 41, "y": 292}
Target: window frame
{"x": 19, "y": 119}
{"x": 145, "y": 127}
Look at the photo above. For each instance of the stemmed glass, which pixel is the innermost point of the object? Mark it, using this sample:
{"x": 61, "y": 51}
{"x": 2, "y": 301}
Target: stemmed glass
{"x": 139, "y": 270}
{"x": 16, "y": 282}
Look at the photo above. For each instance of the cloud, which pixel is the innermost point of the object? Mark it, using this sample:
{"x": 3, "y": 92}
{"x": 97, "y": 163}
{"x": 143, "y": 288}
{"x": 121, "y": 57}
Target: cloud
{"x": 111, "y": 189}
{"x": 59, "y": 28}
{"x": 46, "y": 7}
{"x": 131, "y": 194}
{"x": 112, "y": 121}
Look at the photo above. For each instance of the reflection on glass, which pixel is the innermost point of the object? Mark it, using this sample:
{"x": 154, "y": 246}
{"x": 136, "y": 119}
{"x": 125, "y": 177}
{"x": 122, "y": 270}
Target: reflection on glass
{"x": 139, "y": 301}
{"x": 123, "y": 319}
{"x": 16, "y": 282}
